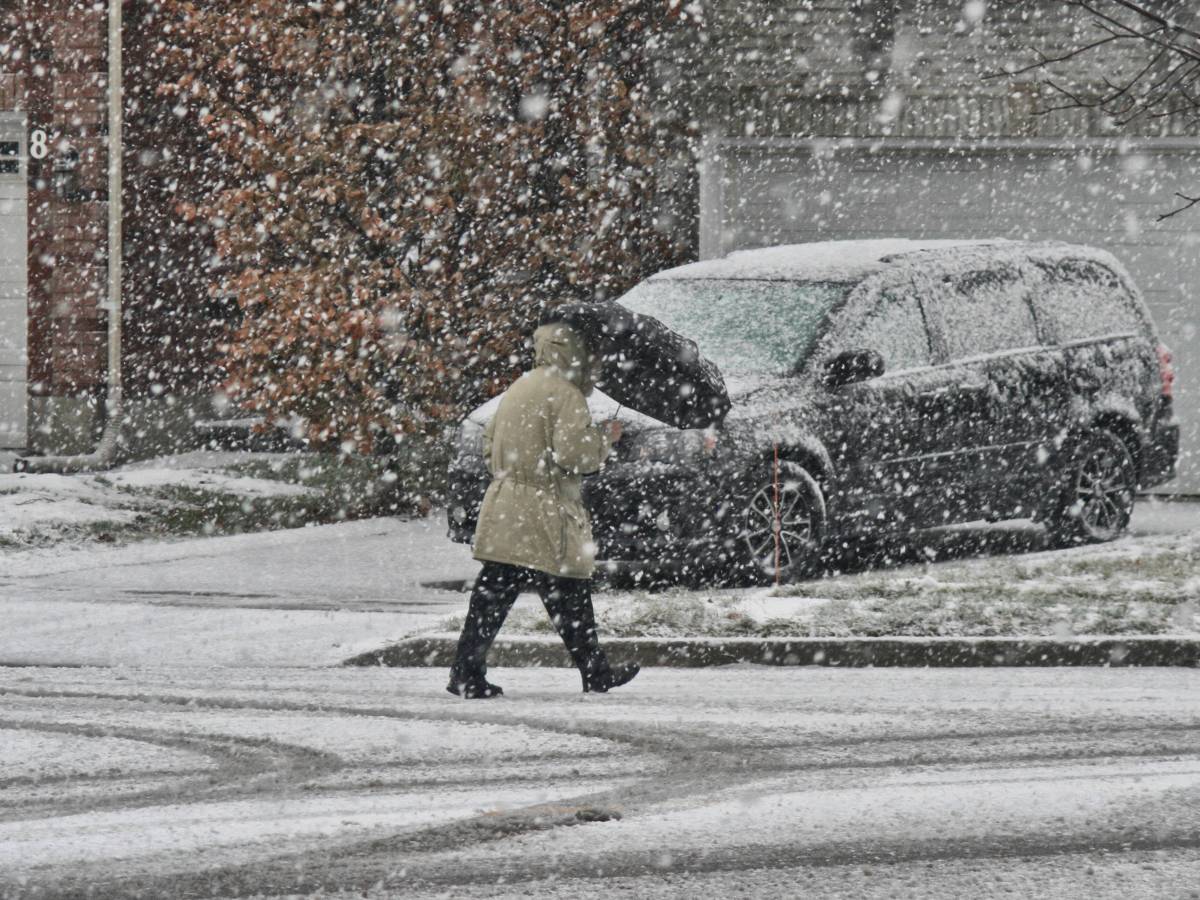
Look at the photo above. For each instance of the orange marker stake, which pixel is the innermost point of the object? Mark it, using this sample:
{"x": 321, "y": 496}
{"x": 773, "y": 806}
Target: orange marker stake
{"x": 778, "y": 520}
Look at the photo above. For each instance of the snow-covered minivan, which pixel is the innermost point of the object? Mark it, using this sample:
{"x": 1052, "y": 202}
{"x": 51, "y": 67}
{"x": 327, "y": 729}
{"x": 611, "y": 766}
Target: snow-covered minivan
{"x": 881, "y": 387}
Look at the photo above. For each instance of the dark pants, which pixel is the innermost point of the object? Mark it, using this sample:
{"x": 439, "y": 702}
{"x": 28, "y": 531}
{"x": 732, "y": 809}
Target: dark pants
{"x": 567, "y": 600}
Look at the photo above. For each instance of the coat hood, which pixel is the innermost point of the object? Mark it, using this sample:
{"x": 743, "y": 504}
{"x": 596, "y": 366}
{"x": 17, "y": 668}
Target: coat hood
{"x": 562, "y": 348}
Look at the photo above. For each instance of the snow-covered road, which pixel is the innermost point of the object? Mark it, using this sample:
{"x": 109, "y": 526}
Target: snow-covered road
{"x": 191, "y": 782}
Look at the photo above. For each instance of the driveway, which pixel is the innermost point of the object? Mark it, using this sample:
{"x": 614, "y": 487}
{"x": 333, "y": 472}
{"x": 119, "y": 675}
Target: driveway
{"x": 305, "y": 596}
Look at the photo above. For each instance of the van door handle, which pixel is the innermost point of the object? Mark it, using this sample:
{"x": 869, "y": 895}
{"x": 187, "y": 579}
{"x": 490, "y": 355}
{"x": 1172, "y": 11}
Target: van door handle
{"x": 950, "y": 390}
{"x": 935, "y": 400}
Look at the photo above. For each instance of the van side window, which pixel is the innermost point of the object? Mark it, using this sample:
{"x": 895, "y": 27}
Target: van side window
{"x": 896, "y": 329}
{"x": 1081, "y": 299}
{"x": 986, "y": 311}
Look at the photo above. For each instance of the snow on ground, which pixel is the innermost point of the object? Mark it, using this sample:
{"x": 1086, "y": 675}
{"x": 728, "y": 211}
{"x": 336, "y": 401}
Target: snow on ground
{"x": 369, "y": 559}
{"x": 34, "y": 756}
{"x": 376, "y": 739}
{"x": 317, "y": 596}
{"x": 1086, "y": 875}
{"x": 29, "y": 502}
{"x": 186, "y": 836}
{"x": 91, "y": 632}
{"x": 58, "y": 507}
{"x": 203, "y": 470}
{"x": 303, "y": 596}
{"x": 377, "y": 783}
{"x": 987, "y": 582}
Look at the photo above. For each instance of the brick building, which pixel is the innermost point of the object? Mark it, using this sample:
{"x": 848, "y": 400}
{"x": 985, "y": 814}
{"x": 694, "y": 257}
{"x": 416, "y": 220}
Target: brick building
{"x": 52, "y": 322}
{"x": 54, "y": 238}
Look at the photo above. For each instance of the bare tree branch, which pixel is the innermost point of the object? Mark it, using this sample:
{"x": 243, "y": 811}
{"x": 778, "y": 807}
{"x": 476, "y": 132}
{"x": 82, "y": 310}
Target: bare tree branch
{"x": 1143, "y": 10}
{"x": 1189, "y": 202}
{"x": 1151, "y": 51}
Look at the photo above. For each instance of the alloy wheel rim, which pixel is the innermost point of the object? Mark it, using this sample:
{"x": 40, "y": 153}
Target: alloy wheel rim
{"x": 1103, "y": 494}
{"x": 795, "y": 523}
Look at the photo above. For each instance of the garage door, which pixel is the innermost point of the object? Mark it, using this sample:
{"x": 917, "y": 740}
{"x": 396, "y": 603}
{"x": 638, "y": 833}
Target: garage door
{"x": 13, "y": 249}
{"x": 772, "y": 192}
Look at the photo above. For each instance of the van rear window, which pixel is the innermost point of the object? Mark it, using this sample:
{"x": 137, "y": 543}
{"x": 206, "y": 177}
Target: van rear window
{"x": 1080, "y": 299}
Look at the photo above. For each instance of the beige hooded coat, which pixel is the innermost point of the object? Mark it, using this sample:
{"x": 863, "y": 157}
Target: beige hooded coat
{"x": 537, "y": 446}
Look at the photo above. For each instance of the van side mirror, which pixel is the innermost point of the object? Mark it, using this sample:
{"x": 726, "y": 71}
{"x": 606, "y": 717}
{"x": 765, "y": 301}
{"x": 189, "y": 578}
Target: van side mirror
{"x": 852, "y": 366}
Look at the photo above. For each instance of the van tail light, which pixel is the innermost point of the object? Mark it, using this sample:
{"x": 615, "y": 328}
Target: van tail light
{"x": 1166, "y": 370}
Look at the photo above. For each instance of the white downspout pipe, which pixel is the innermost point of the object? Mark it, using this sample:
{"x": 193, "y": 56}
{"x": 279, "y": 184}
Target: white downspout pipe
{"x": 104, "y": 455}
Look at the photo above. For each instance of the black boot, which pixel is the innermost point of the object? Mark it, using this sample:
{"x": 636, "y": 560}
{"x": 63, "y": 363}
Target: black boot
{"x": 569, "y": 603}
{"x": 495, "y": 591}
{"x": 473, "y": 687}
{"x": 609, "y": 678}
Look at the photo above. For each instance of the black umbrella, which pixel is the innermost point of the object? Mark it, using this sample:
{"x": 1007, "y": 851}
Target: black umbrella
{"x": 647, "y": 366}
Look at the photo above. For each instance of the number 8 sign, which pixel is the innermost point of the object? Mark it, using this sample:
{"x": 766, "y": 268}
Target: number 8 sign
{"x": 39, "y": 145}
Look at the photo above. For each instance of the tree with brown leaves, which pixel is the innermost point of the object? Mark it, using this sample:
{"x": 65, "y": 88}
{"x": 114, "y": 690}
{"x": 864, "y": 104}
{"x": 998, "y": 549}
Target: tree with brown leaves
{"x": 405, "y": 186}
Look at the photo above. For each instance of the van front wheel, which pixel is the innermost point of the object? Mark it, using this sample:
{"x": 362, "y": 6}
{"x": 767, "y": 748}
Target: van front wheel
{"x": 782, "y": 523}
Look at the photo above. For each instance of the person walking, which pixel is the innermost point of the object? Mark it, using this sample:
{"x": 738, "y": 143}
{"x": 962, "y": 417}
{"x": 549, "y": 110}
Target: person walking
{"x": 533, "y": 530}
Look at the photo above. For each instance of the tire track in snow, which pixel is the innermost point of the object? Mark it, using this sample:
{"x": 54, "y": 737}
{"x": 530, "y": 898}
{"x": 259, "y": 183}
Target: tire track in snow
{"x": 434, "y": 857}
{"x": 243, "y": 766}
{"x": 690, "y": 762}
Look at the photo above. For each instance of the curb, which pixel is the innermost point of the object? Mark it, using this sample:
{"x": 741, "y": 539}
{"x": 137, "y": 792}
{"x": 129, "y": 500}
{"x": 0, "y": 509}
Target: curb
{"x": 438, "y": 651}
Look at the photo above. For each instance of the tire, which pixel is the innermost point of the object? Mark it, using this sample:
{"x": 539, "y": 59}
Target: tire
{"x": 1096, "y": 494}
{"x": 802, "y": 524}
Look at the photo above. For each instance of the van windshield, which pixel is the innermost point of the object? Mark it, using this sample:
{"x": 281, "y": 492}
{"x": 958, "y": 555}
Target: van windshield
{"x": 744, "y": 326}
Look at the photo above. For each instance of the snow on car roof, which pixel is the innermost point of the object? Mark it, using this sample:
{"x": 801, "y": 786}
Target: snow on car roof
{"x": 838, "y": 261}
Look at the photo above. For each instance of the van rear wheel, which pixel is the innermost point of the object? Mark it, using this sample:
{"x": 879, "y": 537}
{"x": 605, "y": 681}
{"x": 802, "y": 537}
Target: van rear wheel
{"x": 1096, "y": 495}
